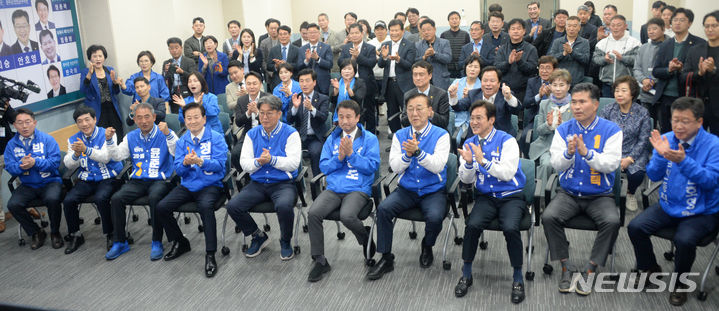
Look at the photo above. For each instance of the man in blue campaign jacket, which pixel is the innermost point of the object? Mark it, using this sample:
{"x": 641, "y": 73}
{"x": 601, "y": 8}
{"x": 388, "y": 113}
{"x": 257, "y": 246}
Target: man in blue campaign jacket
{"x": 88, "y": 152}
{"x": 350, "y": 158}
{"x": 35, "y": 157}
{"x": 585, "y": 152}
{"x": 685, "y": 159}
{"x": 490, "y": 161}
{"x": 200, "y": 160}
{"x": 271, "y": 154}
{"x": 151, "y": 149}
{"x": 419, "y": 155}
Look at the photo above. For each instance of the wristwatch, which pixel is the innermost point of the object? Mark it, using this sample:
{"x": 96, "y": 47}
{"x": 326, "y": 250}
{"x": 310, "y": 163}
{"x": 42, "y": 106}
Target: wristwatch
{"x": 417, "y": 152}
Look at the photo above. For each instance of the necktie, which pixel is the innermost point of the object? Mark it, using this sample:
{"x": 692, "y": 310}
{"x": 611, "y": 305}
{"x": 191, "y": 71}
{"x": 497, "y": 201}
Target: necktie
{"x": 26, "y": 49}
{"x": 304, "y": 122}
{"x": 284, "y": 53}
{"x": 196, "y": 140}
{"x": 313, "y": 48}
{"x": 26, "y": 142}
{"x": 417, "y": 135}
{"x": 686, "y": 146}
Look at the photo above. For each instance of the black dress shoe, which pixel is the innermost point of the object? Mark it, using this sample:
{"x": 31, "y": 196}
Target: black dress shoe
{"x": 318, "y": 271}
{"x": 426, "y": 258}
{"x": 385, "y": 265}
{"x": 178, "y": 248}
{"x": 372, "y": 246}
{"x": 677, "y": 298}
{"x": 210, "y": 265}
{"x": 74, "y": 243}
{"x": 517, "y": 292}
{"x": 38, "y": 239}
{"x": 56, "y": 240}
{"x": 462, "y": 286}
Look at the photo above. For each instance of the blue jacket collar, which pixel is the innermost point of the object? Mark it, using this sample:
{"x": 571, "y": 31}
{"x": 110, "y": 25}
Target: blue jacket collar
{"x": 591, "y": 126}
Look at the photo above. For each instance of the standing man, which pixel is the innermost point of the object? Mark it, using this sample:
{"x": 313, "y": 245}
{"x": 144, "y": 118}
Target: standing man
{"x": 644, "y": 63}
{"x": 396, "y": 57}
{"x": 34, "y": 157}
{"x": 608, "y": 14}
{"x": 457, "y": 39}
{"x": 194, "y": 44}
{"x": 701, "y": 63}
{"x": 517, "y": 60}
{"x": 88, "y": 150}
{"x": 284, "y": 52}
{"x": 475, "y": 46}
{"x": 200, "y": 157}
{"x": 496, "y": 37}
{"x": 436, "y": 51}
{"x": 419, "y": 155}
{"x": 544, "y": 40}
{"x": 150, "y": 147}
{"x": 318, "y": 57}
{"x": 535, "y": 24}
{"x": 615, "y": 55}
{"x": 657, "y": 8}
{"x": 572, "y": 51}
{"x": 413, "y": 19}
{"x": 234, "y": 28}
{"x": 350, "y": 158}
{"x": 308, "y": 114}
{"x": 267, "y": 44}
{"x": 7, "y": 116}
{"x": 304, "y": 39}
{"x": 364, "y": 54}
{"x": 176, "y": 70}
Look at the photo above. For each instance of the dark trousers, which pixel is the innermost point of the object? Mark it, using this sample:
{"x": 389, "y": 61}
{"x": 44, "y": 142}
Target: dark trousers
{"x": 369, "y": 108}
{"x": 711, "y": 122}
{"x": 665, "y": 112}
{"x": 206, "y": 198}
{"x": 394, "y": 97}
{"x": 235, "y": 154}
{"x": 634, "y": 180}
{"x": 50, "y": 195}
{"x": 283, "y": 196}
{"x": 433, "y": 206}
{"x": 100, "y": 193}
{"x": 607, "y": 90}
{"x": 134, "y": 189}
{"x": 690, "y": 230}
{"x": 508, "y": 211}
{"x": 314, "y": 147}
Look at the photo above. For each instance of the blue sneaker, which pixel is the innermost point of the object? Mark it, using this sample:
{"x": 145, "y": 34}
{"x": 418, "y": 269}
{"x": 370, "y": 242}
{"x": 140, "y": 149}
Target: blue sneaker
{"x": 117, "y": 250}
{"x": 286, "y": 252}
{"x": 258, "y": 243}
{"x": 157, "y": 251}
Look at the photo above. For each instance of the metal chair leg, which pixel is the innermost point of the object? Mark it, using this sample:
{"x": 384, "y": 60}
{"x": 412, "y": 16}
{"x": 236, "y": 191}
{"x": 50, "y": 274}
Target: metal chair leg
{"x": 446, "y": 265}
{"x": 340, "y": 233}
{"x": 225, "y": 249}
{"x": 530, "y": 249}
{"x": 709, "y": 265}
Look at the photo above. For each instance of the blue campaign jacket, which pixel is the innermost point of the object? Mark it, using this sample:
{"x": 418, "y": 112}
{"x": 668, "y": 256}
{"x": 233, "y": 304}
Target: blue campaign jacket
{"x": 91, "y": 170}
{"x": 158, "y": 87}
{"x": 691, "y": 186}
{"x": 492, "y": 149}
{"x": 46, "y": 152}
{"x": 212, "y": 110}
{"x": 580, "y": 179}
{"x": 92, "y": 91}
{"x": 268, "y": 173}
{"x": 151, "y": 160}
{"x": 213, "y": 149}
{"x": 353, "y": 173}
{"x": 417, "y": 178}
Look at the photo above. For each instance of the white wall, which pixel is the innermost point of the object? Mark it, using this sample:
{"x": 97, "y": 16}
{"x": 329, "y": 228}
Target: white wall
{"x": 699, "y": 8}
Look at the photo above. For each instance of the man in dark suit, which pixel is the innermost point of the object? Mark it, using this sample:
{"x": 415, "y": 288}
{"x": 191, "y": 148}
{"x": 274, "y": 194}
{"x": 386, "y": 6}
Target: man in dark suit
{"x": 366, "y": 58}
{"x": 303, "y": 35}
{"x": 475, "y": 46}
{"x": 396, "y": 57}
{"x": 247, "y": 112}
{"x": 544, "y": 40}
{"x": 535, "y": 24}
{"x": 436, "y": 51}
{"x": 657, "y": 8}
{"x": 668, "y": 65}
{"x": 496, "y": 37}
{"x": 176, "y": 70}
{"x": 21, "y": 23}
{"x": 43, "y": 12}
{"x": 142, "y": 88}
{"x": 53, "y": 75}
{"x": 318, "y": 57}
{"x": 309, "y": 114}
{"x": 538, "y": 89}
{"x": 518, "y": 59}
{"x": 494, "y": 92}
{"x": 284, "y": 52}
{"x": 421, "y": 75}
{"x": 194, "y": 44}
{"x": 5, "y": 50}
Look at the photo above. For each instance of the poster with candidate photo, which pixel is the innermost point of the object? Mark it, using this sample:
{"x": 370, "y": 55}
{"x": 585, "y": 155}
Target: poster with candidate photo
{"x": 40, "y": 42}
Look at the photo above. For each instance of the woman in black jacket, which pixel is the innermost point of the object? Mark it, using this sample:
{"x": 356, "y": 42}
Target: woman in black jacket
{"x": 347, "y": 87}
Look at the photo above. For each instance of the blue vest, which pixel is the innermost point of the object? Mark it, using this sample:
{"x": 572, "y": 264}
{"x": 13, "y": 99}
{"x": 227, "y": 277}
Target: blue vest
{"x": 275, "y": 143}
{"x": 46, "y": 152}
{"x": 580, "y": 179}
{"x": 211, "y": 146}
{"x": 91, "y": 170}
{"x": 150, "y": 158}
{"x": 492, "y": 149}
{"x": 348, "y": 176}
{"x": 415, "y": 177}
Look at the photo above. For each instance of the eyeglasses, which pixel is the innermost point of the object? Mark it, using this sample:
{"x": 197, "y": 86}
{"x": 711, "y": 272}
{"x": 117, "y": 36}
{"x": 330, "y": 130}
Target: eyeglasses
{"x": 679, "y": 20}
{"x": 413, "y": 110}
{"x": 476, "y": 118}
{"x": 711, "y": 26}
{"x": 23, "y": 123}
{"x": 267, "y": 113}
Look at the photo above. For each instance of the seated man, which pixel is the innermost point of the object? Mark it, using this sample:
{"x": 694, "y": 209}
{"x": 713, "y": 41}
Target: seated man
{"x": 150, "y": 148}
{"x": 142, "y": 89}
{"x": 247, "y": 112}
{"x": 88, "y": 150}
{"x": 308, "y": 115}
{"x": 200, "y": 156}
{"x": 419, "y": 155}
{"x": 236, "y": 87}
{"x": 499, "y": 181}
{"x": 506, "y": 103}
{"x": 271, "y": 154}
{"x": 685, "y": 160}
{"x": 421, "y": 75}
{"x": 34, "y": 157}
{"x": 586, "y": 152}
{"x": 350, "y": 158}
